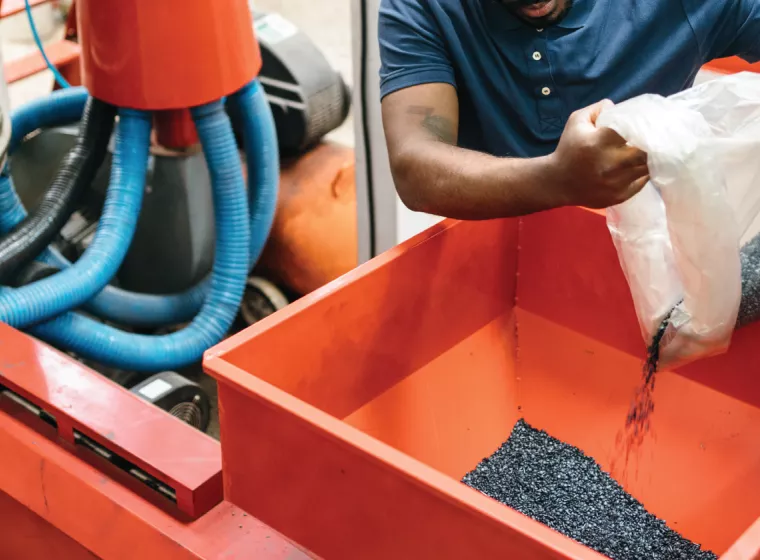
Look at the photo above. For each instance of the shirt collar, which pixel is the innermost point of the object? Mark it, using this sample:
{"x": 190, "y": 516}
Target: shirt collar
{"x": 575, "y": 19}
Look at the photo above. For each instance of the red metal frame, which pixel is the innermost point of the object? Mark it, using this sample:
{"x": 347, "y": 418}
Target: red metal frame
{"x": 108, "y": 519}
{"x": 70, "y": 499}
{"x": 33, "y": 537}
{"x": 83, "y": 401}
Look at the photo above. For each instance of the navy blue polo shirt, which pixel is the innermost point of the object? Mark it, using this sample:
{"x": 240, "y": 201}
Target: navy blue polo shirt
{"x": 517, "y": 85}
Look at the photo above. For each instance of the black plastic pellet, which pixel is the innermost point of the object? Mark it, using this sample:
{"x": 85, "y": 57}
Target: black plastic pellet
{"x": 559, "y": 486}
{"x": 638, "y": 423}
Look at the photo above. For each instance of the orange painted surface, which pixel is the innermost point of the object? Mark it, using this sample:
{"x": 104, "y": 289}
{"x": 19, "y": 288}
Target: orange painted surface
{"x": 732, "y": 65}
{"x": 486, "y": 410}
{"x": 84, "y": 401}
{"x": 375, "y": 353}
{"x": 314, "y": 237}
{"x": 27, "y": 536}
{"x": 746, "y": 547}
{"x": 349, "y": 417}
{"x": 167, "y": 54}
{"x": 104, "y": 517}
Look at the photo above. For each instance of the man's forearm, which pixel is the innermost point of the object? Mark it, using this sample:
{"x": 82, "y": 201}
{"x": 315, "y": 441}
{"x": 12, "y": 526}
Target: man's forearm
{"x": 447, "y": 181}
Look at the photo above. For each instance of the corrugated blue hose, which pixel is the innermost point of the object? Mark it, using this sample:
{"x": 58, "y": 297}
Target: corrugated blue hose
{"x": 11, "y": 211}
{"x": 263, "y": 160}
{"x": 262, "y": 156}
{"x": 61, "y": 107}
{"x": 110, "y": 346}
{"x": 260, "y": 140}
{"x": 73, "y": 286}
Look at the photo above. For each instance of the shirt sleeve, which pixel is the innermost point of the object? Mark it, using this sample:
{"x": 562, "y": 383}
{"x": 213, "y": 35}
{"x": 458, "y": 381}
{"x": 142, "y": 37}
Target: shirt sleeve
{"x": 726, "y": 27}
{"x": 412, "y": 48}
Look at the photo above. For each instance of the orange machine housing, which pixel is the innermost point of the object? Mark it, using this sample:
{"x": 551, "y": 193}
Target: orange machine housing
{"x": 166, "y": 54}
{"x": 314, "y": 237}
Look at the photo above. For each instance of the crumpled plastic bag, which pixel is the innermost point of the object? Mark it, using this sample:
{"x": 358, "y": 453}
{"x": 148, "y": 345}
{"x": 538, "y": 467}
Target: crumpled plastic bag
{"x": 679, "y": 239}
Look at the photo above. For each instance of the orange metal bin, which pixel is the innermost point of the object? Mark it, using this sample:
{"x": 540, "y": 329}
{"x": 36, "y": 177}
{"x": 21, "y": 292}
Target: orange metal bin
{"x": 349, "y": 418}
{"x": 732, "y": 65}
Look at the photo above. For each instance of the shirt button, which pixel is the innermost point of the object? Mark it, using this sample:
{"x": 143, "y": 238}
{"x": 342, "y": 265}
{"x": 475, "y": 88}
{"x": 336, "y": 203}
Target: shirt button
{"x": 537, "y": 56}
{"x": 546, "y": 91}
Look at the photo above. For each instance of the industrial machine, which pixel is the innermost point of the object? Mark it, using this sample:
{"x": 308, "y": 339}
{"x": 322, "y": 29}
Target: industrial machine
{"x": 129, "y": 233}
{"x": 175, "y": 96}
{"x": 137, "y": 255}
{"x": 159, "y": 284}
{"x": 308, "y": 99}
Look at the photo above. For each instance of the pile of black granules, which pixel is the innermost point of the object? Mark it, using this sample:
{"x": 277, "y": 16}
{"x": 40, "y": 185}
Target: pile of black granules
{"x": 558, "y": 485}
{"x": 749, "y": 311}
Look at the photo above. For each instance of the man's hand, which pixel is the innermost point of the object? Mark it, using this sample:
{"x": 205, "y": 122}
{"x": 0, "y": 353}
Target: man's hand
{"x": 594, "y": 167}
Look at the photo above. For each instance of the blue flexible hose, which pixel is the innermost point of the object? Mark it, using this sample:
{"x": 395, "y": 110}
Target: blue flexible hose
{"x": 261, "y": 148}
{"x": 61, "y": 107}
{"x": 111, "y": 346}
{"x": 263, "y": 161}
{"x": 262, "y": 156}
{"x": 33, "y": 26}
{"x": 137, "y": 309}
{"x": 77, "y": 284}
{"x": 12, "y": 212}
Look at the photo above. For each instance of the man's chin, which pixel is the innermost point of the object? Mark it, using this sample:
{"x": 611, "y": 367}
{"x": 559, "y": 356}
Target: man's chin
{"x": 542, "y": 13}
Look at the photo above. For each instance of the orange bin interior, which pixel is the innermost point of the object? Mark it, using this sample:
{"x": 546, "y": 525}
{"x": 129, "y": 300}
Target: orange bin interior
{"x": 348, "y": 419}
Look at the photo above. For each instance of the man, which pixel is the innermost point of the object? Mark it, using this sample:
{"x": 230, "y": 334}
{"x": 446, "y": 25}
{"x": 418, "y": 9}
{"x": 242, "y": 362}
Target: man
{"x": 483, "y": 100}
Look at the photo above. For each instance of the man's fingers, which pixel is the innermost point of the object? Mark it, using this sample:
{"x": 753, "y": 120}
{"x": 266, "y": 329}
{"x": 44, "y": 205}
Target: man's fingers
{"x": 634, "y": 174}
{"x": 590, "y": 114}
{"x": 609, "y": 138}
{"x": 596, "y": 109}
{"x": 639, "y": 171}
{"x": 629, "y": 156}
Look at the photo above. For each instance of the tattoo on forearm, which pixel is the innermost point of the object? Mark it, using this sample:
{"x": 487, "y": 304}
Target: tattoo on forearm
{"x": 440, "y": 127}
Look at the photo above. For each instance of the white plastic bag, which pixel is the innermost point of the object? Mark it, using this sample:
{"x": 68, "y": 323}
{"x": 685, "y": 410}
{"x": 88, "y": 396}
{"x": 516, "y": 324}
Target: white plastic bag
{"x": 679, "y": 239}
